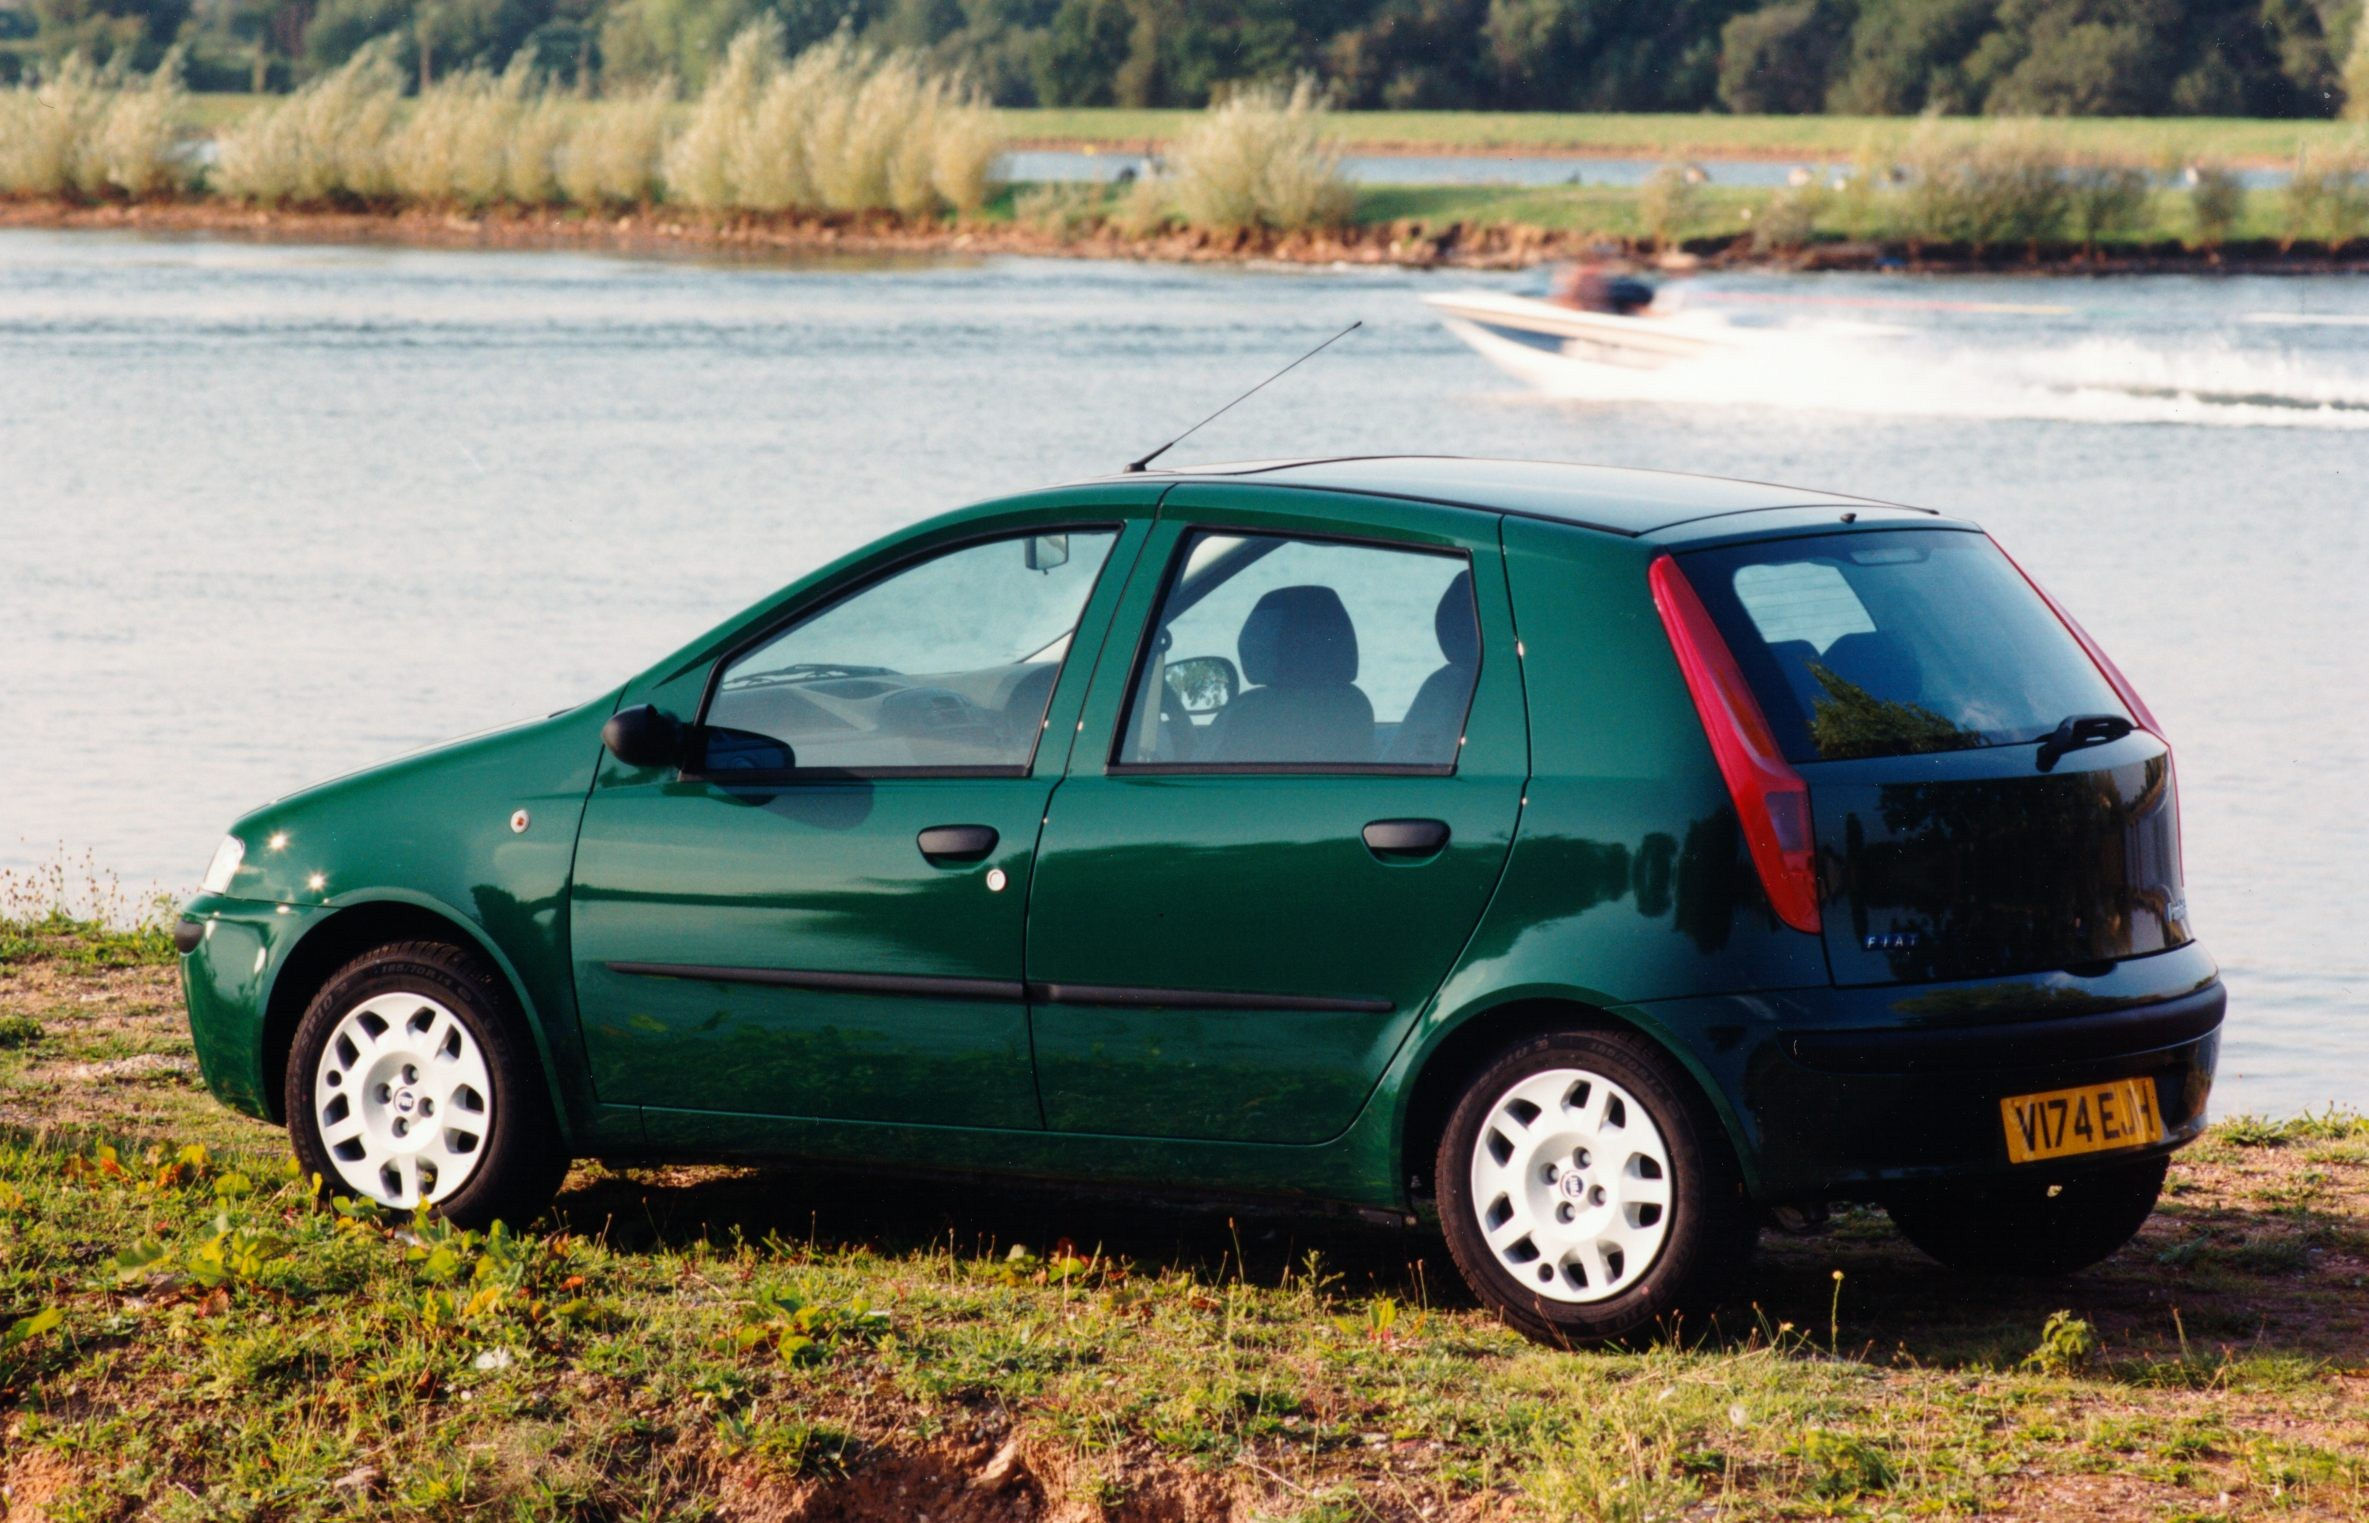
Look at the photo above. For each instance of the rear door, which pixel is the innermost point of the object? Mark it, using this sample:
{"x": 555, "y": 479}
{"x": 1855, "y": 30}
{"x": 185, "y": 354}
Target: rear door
{"x": 1297, "y": 778}
{"x": 1983, "y": 802}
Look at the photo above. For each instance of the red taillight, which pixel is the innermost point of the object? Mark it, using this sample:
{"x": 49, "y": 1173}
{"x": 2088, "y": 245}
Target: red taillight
{"x": 1770, "y": 797}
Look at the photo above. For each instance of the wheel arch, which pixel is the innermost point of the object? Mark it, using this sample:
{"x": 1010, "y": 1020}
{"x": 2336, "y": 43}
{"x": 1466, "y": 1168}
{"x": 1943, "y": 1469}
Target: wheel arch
{"x": 355, "y": 928}
{"x": 1454, "y": 1056}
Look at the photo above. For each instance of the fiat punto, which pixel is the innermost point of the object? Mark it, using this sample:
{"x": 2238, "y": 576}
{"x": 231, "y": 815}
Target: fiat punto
{"x": 1591, "y": 863}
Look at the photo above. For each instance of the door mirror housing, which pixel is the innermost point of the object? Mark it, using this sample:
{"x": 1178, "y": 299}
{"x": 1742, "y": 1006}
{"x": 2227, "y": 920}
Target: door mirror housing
{"x": 1204, "y": 684}
{"x": 644, "y": 736}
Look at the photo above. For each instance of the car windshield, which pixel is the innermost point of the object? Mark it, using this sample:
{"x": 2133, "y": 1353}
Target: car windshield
{"x": 1893, "y": 642}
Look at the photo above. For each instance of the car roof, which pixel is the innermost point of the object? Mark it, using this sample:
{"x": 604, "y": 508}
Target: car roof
{"x": 1615, "y": 499}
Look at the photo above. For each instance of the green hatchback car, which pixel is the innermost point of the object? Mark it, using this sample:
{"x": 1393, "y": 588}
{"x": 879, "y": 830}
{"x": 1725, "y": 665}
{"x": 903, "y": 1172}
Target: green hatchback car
{"x": 1593, "y": 862}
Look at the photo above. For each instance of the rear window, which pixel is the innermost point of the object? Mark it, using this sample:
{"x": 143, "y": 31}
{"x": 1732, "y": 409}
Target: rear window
{"x": 1887, "y": 643}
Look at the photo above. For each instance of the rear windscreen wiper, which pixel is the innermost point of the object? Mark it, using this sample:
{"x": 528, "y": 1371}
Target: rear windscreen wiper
{"x": 2080, "y": 730}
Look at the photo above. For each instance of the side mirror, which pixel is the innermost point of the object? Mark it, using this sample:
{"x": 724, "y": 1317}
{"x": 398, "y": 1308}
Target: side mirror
{"x": 643, "y": 736}
{"x": 1042, "y": 552}
{"x": 1204, "y": 684}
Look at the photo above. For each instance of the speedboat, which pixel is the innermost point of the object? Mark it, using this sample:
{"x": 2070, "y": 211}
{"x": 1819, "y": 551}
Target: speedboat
{"x": 1538, "y": 340}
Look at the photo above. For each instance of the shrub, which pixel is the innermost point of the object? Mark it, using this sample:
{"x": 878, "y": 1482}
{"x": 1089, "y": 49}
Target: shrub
{"x": 1790, "y": 219}
{"x": 1145, "y": 207}
{"x": 2328, "y": 196}
{"x": 1667, "y": 205}
{"x": 2005, "y": 187}
{"x": 1260, "y": 159}
{"x": 328, "y": 141}
{"x": 611, "y": 156}
{"x": 1063, "y": 212}
{"x": 2104, "y": 199}
{"x": 2217, "y": 200}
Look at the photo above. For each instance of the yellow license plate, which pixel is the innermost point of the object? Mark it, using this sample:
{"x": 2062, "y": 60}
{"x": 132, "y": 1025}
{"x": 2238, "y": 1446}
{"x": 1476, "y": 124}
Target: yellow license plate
{"x": 2095, "y": 1118}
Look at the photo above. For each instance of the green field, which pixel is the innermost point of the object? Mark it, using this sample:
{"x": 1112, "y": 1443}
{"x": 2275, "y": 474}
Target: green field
{"x": 2144, "y": 141}
{"x": 184, "y": 1337}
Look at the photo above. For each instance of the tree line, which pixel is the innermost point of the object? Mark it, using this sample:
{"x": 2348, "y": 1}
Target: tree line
{"x": 2274, "y": 58}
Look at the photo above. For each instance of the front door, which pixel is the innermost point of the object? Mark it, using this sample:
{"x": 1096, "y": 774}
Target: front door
{"x": 822, "y": 915}
{"x": 1289, "y": 805}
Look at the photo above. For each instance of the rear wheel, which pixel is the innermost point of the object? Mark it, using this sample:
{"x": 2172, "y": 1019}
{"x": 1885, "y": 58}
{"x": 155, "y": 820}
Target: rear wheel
{"x": 411, "y": 1083}
{"x": 1586, "y": 1195}
{"x": 2032, "y": 1226}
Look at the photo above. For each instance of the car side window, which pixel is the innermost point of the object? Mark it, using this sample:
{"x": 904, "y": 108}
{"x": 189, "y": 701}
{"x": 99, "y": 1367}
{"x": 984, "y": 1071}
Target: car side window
{"x": 1277, "y": 651}
{"x": 945, "y": 663}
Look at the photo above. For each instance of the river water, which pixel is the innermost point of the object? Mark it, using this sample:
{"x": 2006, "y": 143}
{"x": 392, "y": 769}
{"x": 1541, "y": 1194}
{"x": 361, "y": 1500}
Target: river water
{"x": 268, "y": 513}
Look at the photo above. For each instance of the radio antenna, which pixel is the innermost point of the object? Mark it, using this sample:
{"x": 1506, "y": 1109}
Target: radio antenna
{"x": 1246, "y": 396}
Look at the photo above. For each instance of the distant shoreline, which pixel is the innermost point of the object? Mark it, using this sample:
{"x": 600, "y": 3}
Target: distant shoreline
{"x": 1402, "y": 243}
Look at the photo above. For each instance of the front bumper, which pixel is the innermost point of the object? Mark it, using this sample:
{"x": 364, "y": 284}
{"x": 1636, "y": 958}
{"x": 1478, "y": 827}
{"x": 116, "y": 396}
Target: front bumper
{"x": 1855, "y": 1094}
{"x": 231, "y": 951}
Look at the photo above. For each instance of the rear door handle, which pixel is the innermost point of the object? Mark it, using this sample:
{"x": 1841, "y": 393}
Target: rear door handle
{"x": 1406, "y": 838}
{"x": 957, "y": 843}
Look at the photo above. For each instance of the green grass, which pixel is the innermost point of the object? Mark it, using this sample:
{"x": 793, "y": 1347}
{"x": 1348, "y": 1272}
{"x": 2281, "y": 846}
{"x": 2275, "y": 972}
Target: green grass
{"x": 2139, "y": 140}
{"x": 183, "y": 1336}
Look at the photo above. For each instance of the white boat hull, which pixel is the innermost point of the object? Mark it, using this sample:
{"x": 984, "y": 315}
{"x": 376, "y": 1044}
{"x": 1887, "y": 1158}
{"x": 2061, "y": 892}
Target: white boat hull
{"x": 1538, "y": 341}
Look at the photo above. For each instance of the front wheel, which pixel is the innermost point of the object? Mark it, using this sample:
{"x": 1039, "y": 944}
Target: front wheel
{"x": 2032, "y": 1226}
{"x": 411, "y": 1083}
{"x": 1586, "y": 1194}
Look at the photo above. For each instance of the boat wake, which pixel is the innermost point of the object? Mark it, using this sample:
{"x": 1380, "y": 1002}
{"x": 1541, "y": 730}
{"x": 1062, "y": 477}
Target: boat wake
{"x": 2212, "y": 383}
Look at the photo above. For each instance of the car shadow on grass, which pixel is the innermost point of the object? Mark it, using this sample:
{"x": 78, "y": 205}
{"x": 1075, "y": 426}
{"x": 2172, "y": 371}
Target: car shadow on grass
{"x": 2240, "y": 1275}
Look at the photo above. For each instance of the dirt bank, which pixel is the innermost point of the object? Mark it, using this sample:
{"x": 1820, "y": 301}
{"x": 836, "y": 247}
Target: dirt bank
{"x": 1407, "y": 243}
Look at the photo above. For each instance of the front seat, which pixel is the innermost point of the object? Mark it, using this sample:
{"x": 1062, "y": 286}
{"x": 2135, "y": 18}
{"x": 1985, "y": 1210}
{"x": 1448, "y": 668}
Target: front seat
{"x": 1300, "y": 650}
{"x": 1435, "y": 720}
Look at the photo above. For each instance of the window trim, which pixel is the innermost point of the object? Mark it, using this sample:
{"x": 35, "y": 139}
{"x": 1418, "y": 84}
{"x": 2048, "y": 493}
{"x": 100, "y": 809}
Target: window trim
{"x": 1115, "y": 766}
{"x": 832, "y": 598}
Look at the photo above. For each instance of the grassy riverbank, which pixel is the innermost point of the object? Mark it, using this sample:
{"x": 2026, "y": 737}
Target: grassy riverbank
{"x": 182, "y": 1338}
{"x": 837, "y": 148}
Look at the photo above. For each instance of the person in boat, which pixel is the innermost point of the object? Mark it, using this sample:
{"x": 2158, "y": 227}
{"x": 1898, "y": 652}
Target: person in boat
{"x": 1594, "y": 285}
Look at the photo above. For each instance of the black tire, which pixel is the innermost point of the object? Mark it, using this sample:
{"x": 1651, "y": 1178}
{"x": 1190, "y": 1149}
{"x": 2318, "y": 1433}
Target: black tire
{"x": 2032, "y": 1226}
{"x": 1711, "y": 1226}
{"x": 523, "y": 1159}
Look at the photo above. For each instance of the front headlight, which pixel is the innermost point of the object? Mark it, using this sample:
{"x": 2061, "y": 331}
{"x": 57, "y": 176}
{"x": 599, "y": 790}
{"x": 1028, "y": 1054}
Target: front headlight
{"x": 225, "y": 865}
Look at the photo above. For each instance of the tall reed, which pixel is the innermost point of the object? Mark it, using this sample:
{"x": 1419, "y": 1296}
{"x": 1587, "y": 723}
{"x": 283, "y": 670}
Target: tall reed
{"x": 838, "y": 129}
{"x": 612, "y": 154}
{"x": 1260, "y": 159}
{"x": 326, "y": 142}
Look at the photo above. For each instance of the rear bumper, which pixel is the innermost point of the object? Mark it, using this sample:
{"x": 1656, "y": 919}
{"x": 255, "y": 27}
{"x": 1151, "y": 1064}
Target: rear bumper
{"x": 1855, "y": 1094}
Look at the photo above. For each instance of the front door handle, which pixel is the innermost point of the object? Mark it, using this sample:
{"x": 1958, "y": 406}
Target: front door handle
{"x": 1406, "y": 838}
{"x": 957, "y": 843}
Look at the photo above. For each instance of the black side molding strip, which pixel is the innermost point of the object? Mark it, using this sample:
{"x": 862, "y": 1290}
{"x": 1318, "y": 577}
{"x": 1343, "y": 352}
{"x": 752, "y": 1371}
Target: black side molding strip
{"x": 1128, "y": 997}
{"x": 1113, "y": 995}
{"x": 2016, "y": 1044}
{"x": 840, "y": 983}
